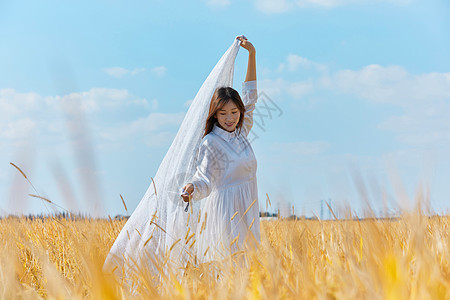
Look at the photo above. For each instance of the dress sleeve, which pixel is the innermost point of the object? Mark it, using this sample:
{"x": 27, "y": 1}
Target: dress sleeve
{"x": 207, "y": 172}
{"x": 249, "y": 97}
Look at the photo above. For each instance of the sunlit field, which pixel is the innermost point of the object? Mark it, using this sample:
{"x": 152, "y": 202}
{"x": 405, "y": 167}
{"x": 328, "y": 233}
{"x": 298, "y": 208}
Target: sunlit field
{"x": 404, "y": 258}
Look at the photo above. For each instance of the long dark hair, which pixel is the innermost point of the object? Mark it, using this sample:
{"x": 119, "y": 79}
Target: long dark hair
{"x": 220, "y": 98}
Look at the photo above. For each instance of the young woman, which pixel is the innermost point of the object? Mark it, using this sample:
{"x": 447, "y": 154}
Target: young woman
{"x": 225, "y": 178}
{"x": 211, "y": 153}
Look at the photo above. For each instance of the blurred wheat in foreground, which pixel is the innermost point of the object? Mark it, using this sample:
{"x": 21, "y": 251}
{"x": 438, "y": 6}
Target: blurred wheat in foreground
{"x": 404, "y": 258}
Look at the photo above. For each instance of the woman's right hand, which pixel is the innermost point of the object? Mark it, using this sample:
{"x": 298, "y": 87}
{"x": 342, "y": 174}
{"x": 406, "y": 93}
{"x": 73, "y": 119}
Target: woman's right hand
{"x": 189, "y": 189}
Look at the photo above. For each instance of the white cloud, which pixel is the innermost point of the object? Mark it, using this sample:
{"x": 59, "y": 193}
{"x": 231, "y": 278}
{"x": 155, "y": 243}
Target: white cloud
{"x": 159, "y": 139}
{"x": 424, "y": 99}
{"x": 119, "y": 72}
{"x": 153, "y": 130}
{"x": 294, "y": 62}
{"x": 281, "y": 6}
{"x": 276, "y": 88}
{"x": 274, "y": 6}
{"x": 155, "y": 121}
{"x": 300, "y": 148}
{"x": 18, "y": 129}
{"x": 373, "y": 82}
{"x": 137, "y": 71}
{"x": 296, "y": 89}
{"x": 299, "y": 89}
{"x": 12, "y": 102}
{"x": 98, "y": 99}
{"x": 159, "y": 71}
{"x": 392, "y": 85}
{"x": 27, "y": 115}
{"x": 217, "y": 4}
{"x": 415, "y": 127}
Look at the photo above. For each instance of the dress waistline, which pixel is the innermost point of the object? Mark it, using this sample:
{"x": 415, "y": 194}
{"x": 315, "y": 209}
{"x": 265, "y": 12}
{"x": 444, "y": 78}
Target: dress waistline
{"x": 250, "y": 179}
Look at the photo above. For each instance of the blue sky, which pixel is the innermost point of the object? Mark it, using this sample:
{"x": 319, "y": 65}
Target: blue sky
{"x": 362, "y": 87}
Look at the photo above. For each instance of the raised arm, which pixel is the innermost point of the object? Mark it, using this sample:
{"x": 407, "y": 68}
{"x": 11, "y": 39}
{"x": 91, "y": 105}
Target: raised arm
{"x": 251, "y": 66}
{"x": 249, "y": 90}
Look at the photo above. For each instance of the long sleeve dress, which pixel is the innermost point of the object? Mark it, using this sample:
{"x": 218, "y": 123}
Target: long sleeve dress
{"x": 225, "y": 182}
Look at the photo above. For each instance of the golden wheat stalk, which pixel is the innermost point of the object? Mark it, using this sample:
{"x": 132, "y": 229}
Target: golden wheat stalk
{"x": 114, "y": 269}
{"x": 37, "y": 195}
{"x": 187, "y": 233}
{"x": 20, "y": 170}
{"x": 251, "y": 224}
{"x": 268, "y": 201}
{"x": 192, "y": 244}
{"x": 206, "y": 251}
{"x": 26, "y": 178}
{"x": 48, "y": 201}
{"x": 148, "y": 240}
{"x": 154, "y": 186}
{"x": 248, "y": 208}
{"x": 173, "y": 245}
{"x": 158, "y": 226}
{"x": 40, "y": 197}
{"x": 235, "y": 240}
{"x": 188, "y": 218}
{"x": 153, "y": 217}
{"x": 332, "y": 212}
{"x": 237, "y": 253}
{"x": 124, "y": 205}
{"x": 204, "y": 223}
{"x": 190, "y": 237}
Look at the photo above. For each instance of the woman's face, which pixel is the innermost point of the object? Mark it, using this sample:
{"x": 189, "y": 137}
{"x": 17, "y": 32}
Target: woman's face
{"x": 228, "y": 116}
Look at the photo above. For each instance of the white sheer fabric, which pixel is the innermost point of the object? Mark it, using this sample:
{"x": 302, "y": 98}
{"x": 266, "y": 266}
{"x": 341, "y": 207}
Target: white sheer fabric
{"x": 159, "y": 220}
{"x": 225, "y": 183}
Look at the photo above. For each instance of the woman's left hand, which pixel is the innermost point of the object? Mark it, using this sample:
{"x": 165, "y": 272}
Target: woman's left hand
{"x": 246, "y": 44}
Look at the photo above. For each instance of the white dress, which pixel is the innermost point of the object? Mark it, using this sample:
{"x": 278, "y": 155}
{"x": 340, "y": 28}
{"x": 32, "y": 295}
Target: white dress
{"x": 225, "y": 183}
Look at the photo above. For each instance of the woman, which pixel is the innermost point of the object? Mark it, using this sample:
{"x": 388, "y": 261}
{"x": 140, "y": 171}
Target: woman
{"x": 160, "y": 234}
{"x": 225, "y": 178}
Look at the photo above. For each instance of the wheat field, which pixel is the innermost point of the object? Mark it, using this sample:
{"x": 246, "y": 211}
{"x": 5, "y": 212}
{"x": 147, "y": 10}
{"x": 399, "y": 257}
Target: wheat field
{"x": 403, "y": 258}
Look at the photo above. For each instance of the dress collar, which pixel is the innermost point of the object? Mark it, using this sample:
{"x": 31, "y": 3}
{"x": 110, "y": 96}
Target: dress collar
{"x": 226, "y": 135}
